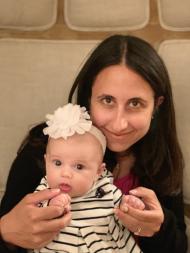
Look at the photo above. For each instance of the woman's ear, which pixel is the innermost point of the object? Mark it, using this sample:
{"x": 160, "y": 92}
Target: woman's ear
{"x": 159, "y": 101}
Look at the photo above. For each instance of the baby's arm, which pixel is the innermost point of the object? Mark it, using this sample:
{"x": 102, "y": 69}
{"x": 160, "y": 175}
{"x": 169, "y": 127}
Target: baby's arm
{"x": 133, "y": 201}
{"x": 63, "y": 199}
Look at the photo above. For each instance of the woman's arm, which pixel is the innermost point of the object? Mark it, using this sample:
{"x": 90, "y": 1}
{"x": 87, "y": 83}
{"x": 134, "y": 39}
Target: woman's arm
{"x": 162, "y": 227}
{"x": 172, "y": 236}
{"x": 24, "y": 176}
{"x": 29, "y": 226}
{"x": 22, "y": 222}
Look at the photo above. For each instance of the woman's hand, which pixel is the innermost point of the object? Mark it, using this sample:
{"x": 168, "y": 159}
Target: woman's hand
{"x": 142, "y": 222}
{"x": 29, "y": 226}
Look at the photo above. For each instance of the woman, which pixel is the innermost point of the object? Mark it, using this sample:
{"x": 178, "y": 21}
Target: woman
{"x": 125, "y": 86}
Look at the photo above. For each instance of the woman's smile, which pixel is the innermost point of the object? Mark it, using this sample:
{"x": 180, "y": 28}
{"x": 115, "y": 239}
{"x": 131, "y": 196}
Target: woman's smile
{"x": 116, "y": 135}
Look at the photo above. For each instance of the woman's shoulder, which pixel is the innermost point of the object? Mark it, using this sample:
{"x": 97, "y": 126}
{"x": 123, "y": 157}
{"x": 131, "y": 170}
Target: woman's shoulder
{"x": 175, "y": 199}
{"x": 35, "y": 141}
{"x": 30, "y": 154}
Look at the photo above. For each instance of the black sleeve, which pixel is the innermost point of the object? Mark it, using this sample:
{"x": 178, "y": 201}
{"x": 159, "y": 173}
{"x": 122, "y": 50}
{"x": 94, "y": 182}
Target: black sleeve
{"x": 24, "y": 176}
{"x": 5, "y": 249}
{"x": 172, "y": 236}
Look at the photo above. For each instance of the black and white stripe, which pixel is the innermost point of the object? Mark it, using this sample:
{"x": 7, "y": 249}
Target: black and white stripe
{"x": 94, "y": 228}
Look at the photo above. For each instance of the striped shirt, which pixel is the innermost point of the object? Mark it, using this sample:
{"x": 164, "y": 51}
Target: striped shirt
{"x": 94, "y": 228}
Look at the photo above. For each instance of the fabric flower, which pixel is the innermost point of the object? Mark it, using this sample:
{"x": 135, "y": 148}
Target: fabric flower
{"x": 66, "y": 121}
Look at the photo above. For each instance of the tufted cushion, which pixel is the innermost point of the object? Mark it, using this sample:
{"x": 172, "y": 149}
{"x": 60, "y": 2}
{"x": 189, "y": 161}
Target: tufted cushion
{"x": 176, "y": 54}
{"x": 28, "y": 15}
{"x": 106, "y": 15}
{"x": 174, "y": 14}
{"x": 35, "y": 78}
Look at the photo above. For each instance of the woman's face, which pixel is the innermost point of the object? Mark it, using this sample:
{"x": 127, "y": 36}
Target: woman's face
{"x": 122, "y": 105}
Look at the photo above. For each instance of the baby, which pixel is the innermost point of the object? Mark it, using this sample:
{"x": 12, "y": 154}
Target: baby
{"x": 74, "y": 164}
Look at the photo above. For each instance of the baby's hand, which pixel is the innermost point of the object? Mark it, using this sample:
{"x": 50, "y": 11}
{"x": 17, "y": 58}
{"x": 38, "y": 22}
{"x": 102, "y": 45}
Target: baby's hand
{"x": 133, "y": 201}
{"x": 63, "y": 199}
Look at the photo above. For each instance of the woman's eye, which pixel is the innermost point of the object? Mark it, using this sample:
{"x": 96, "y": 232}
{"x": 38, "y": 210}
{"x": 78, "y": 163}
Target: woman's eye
{"x": 134, "y": 103}
{"x": 79, "y": 166}
{"x": 57, "y": 162}
{"x": 107, "y": 100}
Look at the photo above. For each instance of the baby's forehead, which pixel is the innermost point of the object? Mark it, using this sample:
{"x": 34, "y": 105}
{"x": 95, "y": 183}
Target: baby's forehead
{"x": 86, "y": 141}
{"x": 81, "y": 148}
{"x": 89, "y": 142}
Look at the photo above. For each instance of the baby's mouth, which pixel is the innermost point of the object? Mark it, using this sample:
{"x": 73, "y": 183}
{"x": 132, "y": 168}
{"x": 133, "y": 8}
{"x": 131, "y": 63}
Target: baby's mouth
{"x": 65, "y": 187}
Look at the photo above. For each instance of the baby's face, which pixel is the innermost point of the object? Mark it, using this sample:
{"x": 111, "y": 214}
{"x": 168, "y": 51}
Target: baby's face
{"x": 73, "y": 165}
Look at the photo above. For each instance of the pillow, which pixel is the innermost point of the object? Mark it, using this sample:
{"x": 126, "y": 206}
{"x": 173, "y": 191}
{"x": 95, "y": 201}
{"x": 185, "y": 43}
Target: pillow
{"x": 106, "y": 15}
{"x": 176, "y": 55}
{"x": 35, "y": 78}
{"x": 28, "y": 15}
{"x": 174, "y": 15}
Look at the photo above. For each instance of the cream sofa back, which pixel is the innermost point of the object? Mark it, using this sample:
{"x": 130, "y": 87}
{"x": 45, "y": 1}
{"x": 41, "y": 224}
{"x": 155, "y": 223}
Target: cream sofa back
{"x": 176, "y": 55}
{"x": 28, "y": 15}
{"x": 35, "y": 78}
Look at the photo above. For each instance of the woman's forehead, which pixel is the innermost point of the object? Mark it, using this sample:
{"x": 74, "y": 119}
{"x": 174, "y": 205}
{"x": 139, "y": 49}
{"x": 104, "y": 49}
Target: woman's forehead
{"x": 119, "y": 80}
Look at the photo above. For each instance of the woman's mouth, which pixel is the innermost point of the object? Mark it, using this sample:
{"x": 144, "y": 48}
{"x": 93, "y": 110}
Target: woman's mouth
{"x": 117, "y": 136}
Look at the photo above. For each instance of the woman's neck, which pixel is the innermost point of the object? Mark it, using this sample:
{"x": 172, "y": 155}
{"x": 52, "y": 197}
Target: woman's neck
{"x": 124, "y": 165}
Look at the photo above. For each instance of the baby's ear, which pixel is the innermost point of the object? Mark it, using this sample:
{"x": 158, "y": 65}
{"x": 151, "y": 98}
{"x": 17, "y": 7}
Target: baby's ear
{"x": 101, "y": 168}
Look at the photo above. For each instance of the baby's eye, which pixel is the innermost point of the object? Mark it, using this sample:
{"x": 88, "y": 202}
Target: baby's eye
{"x": 57, "y": 162}
{"x": 79, "y": 166}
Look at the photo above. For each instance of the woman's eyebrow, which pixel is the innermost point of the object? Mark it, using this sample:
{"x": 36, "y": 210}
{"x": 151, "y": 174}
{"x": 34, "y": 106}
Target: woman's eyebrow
{"x": 137, "y": 98}
{"x": 105, "y": 95}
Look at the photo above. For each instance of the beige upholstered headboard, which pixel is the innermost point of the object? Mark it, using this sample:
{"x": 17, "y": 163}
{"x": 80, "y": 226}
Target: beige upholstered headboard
{"x": 35, "y": 78}
{"x": 176, "y": 55}
{"x": 43, "y": 44}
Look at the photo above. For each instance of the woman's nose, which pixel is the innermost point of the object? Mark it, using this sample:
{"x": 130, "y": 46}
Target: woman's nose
{"x": 120, "y": 122}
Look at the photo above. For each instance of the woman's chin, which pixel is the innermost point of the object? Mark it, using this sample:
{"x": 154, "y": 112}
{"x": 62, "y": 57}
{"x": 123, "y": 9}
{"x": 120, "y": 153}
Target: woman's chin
{"x": 118, "y": 148}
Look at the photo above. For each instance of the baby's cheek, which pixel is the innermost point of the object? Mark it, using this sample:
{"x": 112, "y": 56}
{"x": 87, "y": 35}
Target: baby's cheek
{"x": 88, "y": 182}
{"x": 52, "y": 180}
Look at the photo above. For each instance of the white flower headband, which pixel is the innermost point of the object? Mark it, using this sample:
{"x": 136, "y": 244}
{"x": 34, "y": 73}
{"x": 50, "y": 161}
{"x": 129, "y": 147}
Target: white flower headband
{"x": 71, "y": 119}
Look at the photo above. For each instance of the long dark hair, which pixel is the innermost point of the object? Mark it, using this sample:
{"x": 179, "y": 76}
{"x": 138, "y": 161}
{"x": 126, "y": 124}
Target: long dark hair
{"x": 159, "y": 161}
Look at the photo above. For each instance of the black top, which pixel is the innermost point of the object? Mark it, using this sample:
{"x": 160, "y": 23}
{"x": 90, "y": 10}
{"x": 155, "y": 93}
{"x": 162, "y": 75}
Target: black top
{"x": 27, "y": 171}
